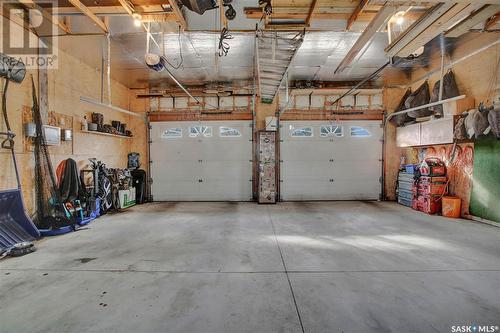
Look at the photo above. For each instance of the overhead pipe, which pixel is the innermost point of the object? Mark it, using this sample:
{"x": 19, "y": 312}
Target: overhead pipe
{"x": 425, "y": 106}
{"x": 348, "y": 92}
{"x": 110, "y": 106}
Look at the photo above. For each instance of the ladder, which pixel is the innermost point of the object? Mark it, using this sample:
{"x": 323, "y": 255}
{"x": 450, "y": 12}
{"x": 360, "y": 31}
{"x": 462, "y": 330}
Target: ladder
{"x": 275, "y": 52}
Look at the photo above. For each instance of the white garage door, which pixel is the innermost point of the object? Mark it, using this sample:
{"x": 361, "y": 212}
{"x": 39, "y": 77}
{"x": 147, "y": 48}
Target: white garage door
{"x": 201, "y": 161}
{"x": 330, "y": 161}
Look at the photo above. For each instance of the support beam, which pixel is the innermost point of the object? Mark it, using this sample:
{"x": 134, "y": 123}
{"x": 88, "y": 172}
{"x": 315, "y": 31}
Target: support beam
{"x": 477, "y": 17}
{"x": 97, "y": 10}
{"x": 178, "y": 13}
{"x": 314, "y": 4}
{"x": 416, "y": 28}
{"x": 378, "y": 22}
{"x": 456, "y": 14}
{"x": 223, "y": 19}
{"x": 354, "y": 16}
{"x": 127, "y": 7}
{"x": 256, "y": 14}
{"x": 67, "y": 22}
{"x": 147, "y": 16}
{"x": 46, "y": 15}
{"x": 490, "y": 23}
{"x": 85, "y": 10}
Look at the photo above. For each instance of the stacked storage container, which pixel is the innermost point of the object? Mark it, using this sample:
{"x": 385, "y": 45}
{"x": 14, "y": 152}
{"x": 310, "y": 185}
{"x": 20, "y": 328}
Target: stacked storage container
{"x": 405, "y": 186}
{"x": 430, "y": 187}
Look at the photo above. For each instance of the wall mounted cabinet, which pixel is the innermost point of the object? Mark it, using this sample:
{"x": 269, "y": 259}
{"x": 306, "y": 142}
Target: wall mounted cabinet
{"x": 432, "y": 132}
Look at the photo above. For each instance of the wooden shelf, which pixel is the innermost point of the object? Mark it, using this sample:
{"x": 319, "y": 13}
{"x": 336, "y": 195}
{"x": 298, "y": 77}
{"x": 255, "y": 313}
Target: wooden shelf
{"x": 108, "y": 134}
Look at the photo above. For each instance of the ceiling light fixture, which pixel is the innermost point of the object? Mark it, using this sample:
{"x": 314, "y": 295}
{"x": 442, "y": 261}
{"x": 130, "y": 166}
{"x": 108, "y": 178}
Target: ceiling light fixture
{"x": 400, "y": 17}
{"x": 137, "y": 19}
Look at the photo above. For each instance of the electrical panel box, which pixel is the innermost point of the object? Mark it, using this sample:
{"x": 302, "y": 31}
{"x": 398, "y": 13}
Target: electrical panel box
{"x": 267, "y": 167}
{"x": 271, "y": 123}
{"x": 30, "y": 130}
{"x": 52, "y": 135}
{"x": 66, "y": 134}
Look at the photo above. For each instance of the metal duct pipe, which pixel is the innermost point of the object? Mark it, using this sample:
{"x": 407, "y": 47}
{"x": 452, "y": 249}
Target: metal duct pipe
{"x": 12, "y": 69}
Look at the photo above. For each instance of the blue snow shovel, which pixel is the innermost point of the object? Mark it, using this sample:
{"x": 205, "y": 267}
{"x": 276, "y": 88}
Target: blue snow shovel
{"x": 16, "y": 228}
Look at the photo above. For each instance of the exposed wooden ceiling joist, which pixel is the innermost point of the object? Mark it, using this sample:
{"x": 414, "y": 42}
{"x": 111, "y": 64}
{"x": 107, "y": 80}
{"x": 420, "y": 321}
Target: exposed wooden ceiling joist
{"x": 354, "y": 16}
{"x": 490, "y": 23}
{"x": 116, "y": 11}
{"x": 158, "y": 17}
{"x": 85, "y": 10}
{"x": 456, "y": 14}
{"x": 477, "y": 17}
{"x": 16, "y": 19}
{"x": 256, "y": 14}
{"x": 417, "y": 27}
{"x": 46, "y": 15}
{"x": 127, "y": 7}
{"x": 178, "y": 13}
{"x": 378, "y": 22}
{"x": 311, "y": 12}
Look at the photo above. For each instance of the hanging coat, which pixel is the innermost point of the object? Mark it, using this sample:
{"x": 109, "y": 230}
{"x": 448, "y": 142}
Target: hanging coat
{"x": 70, "y": 185}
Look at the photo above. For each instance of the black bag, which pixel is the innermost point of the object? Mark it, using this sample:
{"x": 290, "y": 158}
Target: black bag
{"x": 139, "y": 182}
{"x": 70, "y": 187}
{"x": 401, "y": 119}
{"x": 417, "y": 98}
{"x": 494, "y": 120}
{"x": 450, "y": 90}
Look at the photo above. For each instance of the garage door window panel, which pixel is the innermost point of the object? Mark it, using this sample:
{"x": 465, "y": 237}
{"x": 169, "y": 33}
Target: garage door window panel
{"x": 360, "y": 132}
{"x": 200, "y": 131}
{"x": 328, "y": 131}
{"x": 172, "y": 133}
{"x": 229, "y": 132}
{"x": 301, "y": 132}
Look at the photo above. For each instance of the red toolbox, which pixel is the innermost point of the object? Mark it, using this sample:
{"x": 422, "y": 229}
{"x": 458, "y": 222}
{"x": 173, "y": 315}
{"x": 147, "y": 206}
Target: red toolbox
{"x": 430, "y": 204}
{"x": 432, "y": 188}
{"x": 428, "y": 179}
{"x": 432, "y": 167}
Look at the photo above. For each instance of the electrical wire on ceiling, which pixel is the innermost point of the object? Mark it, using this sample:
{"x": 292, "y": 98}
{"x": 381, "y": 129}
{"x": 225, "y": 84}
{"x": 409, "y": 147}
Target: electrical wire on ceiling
{"x": 180, "y": 51}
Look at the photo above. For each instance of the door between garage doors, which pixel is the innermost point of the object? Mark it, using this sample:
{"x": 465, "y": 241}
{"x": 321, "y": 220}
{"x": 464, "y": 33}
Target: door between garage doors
{"x": 201, "y": 161}
{"x": 330, "y": 161}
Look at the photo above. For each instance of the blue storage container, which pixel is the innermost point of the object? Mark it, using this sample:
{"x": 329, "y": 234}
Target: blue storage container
{"x": 411, "y": 168}
{"x": 405, "y": 194}
{"x": 407, "y": 186}
{"x": 404, "y": 202}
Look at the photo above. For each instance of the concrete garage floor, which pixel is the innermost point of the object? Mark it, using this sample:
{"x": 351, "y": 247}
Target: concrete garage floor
{"x": 240, "y": 267}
